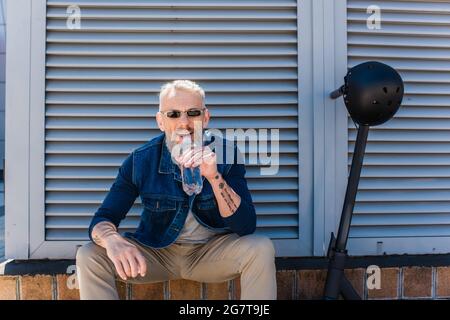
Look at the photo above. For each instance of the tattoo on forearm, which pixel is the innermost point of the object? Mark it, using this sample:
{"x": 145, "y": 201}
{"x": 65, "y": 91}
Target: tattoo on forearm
{"x": 229, "y": 203}
{"x": 231, "y": 199}
{"x": 227, "y": 197}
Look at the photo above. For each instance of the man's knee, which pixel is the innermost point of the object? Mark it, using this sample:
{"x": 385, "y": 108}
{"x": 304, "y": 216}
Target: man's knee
{"x": 87, "y": 253}
{"x": 261, "y": 246}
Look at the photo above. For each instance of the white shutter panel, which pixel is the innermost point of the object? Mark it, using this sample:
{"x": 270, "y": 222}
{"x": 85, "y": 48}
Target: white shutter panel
{"x": 403, "y": 203}
{"x": 101, "y": 95}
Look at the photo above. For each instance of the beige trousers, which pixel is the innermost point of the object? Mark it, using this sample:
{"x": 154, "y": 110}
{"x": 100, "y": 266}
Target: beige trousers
{"x": 223, "y": 258}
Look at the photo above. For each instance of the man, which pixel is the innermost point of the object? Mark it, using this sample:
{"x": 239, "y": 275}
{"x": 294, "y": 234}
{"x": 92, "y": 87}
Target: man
{"x": 205, "y": 237}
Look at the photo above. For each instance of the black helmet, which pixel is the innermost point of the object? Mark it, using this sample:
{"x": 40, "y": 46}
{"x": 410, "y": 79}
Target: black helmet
{"x": 373, "y": 92}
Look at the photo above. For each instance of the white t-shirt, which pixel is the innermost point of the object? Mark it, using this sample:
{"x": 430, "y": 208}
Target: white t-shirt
{"x": 194, "y": 232}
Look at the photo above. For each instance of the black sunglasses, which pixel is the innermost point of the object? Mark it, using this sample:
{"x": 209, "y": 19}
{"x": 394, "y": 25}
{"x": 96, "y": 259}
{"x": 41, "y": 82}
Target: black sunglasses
{"x": 192, "y": 113}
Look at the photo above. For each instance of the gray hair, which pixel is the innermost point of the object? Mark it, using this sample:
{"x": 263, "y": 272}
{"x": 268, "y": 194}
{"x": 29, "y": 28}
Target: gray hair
{"x": 181, "y": 85}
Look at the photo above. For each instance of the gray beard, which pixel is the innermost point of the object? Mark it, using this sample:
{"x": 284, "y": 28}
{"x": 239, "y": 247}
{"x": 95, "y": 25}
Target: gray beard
{"x": 170, "y": 144}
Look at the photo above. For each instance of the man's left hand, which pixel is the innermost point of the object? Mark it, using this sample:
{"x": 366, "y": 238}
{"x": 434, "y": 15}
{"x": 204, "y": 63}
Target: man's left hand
{"x": 203, "y": 157}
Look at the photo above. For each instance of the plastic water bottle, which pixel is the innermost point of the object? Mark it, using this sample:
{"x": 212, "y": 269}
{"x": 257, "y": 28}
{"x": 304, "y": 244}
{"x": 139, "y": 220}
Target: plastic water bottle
{"x": 191, "y": 177}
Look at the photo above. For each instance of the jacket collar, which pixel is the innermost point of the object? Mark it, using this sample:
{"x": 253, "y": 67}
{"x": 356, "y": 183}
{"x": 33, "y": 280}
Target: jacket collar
{"x": 166, "y": 165}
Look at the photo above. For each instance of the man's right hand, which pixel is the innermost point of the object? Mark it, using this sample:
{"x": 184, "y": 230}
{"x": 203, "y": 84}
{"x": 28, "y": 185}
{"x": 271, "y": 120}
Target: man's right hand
{"x": 126, "y": 257}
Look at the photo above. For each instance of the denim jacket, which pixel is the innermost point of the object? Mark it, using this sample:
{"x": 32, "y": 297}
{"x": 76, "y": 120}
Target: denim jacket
{"x": 149, "y": 172}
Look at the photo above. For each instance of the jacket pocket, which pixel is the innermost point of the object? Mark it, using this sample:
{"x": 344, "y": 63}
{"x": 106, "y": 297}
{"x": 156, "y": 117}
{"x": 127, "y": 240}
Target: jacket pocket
{"x": 159, "y": 204}
{"x": 157, "y": 216}
{"x": 206, "y": 203}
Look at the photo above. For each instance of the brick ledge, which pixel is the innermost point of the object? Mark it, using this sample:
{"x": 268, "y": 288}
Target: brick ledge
{"x": 54, "y": 267}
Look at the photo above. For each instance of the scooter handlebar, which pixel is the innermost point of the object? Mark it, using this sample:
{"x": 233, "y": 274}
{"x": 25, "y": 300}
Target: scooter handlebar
{"x": 337, "y": 93}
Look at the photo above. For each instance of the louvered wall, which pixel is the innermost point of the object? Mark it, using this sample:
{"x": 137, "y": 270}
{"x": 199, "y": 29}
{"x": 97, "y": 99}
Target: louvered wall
{"x": 101, "y": 95}
{"x": 405, "y": 186}
{"x": 2, "y": 82}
